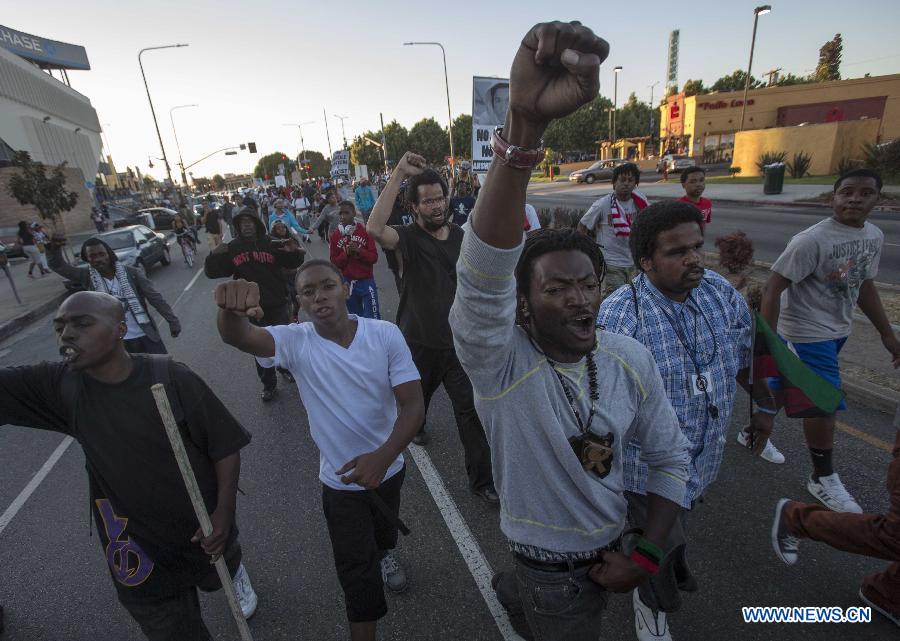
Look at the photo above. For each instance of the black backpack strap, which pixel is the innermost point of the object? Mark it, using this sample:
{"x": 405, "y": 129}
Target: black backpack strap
{"x": 161, "y": 368}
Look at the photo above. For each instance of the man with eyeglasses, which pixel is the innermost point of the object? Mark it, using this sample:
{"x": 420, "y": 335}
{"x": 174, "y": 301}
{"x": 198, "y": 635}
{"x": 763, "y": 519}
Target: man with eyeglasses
{"x": 429, "y": 248}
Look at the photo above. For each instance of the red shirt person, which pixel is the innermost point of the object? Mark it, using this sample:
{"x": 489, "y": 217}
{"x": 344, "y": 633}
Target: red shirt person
{"x": 354, "y": 252}
{"x": 693, "y": 180}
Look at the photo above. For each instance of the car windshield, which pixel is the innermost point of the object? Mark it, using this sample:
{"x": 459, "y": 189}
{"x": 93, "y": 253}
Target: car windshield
{"x": 121, "y": 240}
{"x": 596, "y": 165}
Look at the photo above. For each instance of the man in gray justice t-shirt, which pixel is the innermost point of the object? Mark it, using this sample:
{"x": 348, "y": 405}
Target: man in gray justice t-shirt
{"x": 559, "y": 399}
{"x": 815, "y": 283}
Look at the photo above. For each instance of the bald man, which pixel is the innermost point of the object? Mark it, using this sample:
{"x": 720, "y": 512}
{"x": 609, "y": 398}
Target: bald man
{"x": 100, "y": 395}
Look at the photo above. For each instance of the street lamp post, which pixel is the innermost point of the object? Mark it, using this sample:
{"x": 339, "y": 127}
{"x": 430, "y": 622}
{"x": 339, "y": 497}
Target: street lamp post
{"x": 299, "y": 126}
{"x": 152, "y": 110}
{"x": 446, "y": 86}
{"x": 343, "y": 132}
{"x": 177, "y": 144}
{"x": 759, "y": 11}
{"x": 616, "y": 71}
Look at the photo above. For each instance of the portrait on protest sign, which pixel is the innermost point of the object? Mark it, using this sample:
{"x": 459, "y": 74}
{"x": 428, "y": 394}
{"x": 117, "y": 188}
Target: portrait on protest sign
{"x": 490, "y": 100}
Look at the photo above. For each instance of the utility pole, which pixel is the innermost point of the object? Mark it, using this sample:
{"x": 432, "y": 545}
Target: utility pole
{"x": 383, "y": 143}
{"x": 759, "y": 11}
{"x": 327, "y": 135}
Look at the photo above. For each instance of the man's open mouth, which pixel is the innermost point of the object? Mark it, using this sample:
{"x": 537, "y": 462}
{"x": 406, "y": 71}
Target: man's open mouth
{"x": 582, "y": 324}
{"x": 69, "y": 353}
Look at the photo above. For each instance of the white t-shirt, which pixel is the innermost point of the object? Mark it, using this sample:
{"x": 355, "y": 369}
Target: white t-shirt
{"x": 616, "y": 251}
{"x": 132, "y": 328}
{"x": 301, "y": 204}
{"x": 348, "y": 393}
{"x": 531, "y": 218}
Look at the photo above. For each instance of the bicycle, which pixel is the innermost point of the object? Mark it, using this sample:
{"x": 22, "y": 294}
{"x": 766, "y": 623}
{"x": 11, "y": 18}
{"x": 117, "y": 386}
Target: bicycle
{"x": 187, "y": 249}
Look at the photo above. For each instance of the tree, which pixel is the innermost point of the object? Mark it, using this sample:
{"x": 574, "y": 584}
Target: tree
{"x": 365, "y": 153}
{"x": 735, "y": 82}
{"x": 579, "y": 131}
{"x": 790, "y": 79}
{"x": 319, "y": 166}
{"x": 268, "y": 165}
{"x": 149, "y": 183}
{"x": 829, "y": 67}
{"x": 428, "y": 139}
{"x": 397, "y": 141}
{"x": 32, "y": 186}
{"x": 218, "y": 182}
{"x": 693, "y": 87}
{"x": 671, "y": 90}
{"x": 202, "y": 184}
{"x": 462, "y": 136}
{"x": 633, "y": 119}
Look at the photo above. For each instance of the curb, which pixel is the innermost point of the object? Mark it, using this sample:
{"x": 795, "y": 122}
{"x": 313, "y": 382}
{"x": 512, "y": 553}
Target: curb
{"x": 873, "y": 396}
{"x": 21, "y": 321}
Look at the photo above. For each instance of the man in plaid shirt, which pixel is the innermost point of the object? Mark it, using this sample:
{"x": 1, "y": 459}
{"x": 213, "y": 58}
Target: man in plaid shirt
{"x": 698, "y": 328}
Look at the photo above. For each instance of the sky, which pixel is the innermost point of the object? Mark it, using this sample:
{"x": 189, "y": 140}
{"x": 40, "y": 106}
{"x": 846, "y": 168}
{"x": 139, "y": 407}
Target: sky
{"x": 254, "y": 66}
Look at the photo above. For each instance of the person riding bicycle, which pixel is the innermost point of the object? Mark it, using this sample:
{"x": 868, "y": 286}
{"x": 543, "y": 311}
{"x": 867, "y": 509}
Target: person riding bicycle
{"x": 183, "y": 234}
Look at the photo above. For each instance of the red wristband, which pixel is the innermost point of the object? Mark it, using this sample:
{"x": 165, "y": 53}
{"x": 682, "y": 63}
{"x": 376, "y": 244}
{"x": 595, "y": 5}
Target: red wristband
{"x": 515, "y": 157}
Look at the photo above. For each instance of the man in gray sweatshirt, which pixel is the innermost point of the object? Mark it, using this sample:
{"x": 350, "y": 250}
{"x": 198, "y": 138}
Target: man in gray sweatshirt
{"x": 559, "y": 400}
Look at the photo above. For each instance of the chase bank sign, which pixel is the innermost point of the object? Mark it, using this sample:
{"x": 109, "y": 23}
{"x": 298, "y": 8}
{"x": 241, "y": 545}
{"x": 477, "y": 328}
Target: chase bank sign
{"x": 48, "y": 54}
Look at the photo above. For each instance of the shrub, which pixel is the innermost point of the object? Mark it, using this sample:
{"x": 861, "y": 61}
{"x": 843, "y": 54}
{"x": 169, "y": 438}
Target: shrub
{"x": 799, "y": 167}
{"x": 769, "y": 158}
{"x": 884, "y": 158}
{"x": 734, "y": 171}
{"x": 735, "y": 251}
{"x": 848, "y": 164}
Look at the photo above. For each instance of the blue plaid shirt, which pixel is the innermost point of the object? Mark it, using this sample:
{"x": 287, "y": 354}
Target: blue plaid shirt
{"x": 713, "y": 325}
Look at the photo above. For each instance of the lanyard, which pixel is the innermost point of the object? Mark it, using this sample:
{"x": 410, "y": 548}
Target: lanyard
{"x": 592, "y": 386}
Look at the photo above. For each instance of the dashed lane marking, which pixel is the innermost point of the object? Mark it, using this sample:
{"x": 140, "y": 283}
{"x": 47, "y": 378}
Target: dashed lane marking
{"x": 33, "y": 484}
{"x": 471, "y": 552}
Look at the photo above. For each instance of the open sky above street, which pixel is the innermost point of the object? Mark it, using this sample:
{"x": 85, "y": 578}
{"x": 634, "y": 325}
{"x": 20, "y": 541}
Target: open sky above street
{"x": 252, "y": 67}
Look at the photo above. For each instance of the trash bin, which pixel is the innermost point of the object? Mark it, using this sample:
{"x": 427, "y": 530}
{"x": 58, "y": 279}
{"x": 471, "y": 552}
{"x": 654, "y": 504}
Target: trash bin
{"x": 773, "y": 181}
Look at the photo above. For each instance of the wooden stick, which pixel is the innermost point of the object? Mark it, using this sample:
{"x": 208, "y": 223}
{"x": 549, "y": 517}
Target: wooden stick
{"x": 193, "y": 490}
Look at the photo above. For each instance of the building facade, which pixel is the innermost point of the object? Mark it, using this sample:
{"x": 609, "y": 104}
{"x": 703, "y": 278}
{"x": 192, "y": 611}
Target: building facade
{"x": 704, "y": 126}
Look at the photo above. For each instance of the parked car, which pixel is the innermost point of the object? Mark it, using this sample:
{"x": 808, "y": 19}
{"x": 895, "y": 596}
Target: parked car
{"x": 9, "y": 236}
{"x": 162, "y": 216}
{"x": 138, "y": 246}
{"x": 675, "y": 162}
{"x": 600, "y": 170}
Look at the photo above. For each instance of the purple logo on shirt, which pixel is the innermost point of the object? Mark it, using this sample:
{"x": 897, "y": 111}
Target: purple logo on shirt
{"x": 130, "y": 565}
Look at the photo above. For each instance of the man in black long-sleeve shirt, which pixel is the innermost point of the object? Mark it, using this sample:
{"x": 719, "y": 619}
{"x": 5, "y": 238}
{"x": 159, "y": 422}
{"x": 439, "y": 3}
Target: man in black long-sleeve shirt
{"x": 254, "y": 257}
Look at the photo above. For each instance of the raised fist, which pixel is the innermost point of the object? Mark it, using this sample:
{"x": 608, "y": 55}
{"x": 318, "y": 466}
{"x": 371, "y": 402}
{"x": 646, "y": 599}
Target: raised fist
{"x": 239, "y": 297}
{"x": 555, "y": 71}
{"x": 411, "y": 164}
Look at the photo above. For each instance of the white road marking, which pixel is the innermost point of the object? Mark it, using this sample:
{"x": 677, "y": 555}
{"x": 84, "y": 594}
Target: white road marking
{"x": 471, "y": 552}
{"x": 33, "y": 484}
{"x": 189, "y": 285}
{"x": 892, "y": 245}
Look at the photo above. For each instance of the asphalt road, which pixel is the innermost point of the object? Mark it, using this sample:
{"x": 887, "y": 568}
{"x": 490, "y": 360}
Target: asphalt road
{"x": 770, "y": 228}
{"x": 54, "y": 585}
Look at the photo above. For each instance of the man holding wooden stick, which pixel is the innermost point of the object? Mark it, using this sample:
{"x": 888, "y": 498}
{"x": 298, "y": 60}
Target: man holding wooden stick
{"x": 100, "y": 395}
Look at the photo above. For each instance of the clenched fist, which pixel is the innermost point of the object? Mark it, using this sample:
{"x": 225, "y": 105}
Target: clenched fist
{"x": 239, "y": 297}
{"x": 555, "y": 71}
{"x": 411, "y": 164}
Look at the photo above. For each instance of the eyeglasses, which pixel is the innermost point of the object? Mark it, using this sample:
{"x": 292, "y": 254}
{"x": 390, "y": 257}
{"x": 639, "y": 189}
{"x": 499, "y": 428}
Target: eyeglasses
{"x": 431, "y": 202}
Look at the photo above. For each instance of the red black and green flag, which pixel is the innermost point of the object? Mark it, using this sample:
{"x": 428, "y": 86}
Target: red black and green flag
{"x": 803, "y": 393}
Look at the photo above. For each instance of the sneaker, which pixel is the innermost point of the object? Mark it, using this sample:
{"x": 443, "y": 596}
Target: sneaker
{"x": 421, "y": 438}
{"x": 268, "y": 395}
{"x": 648, "y": 625}
{"x": 770, "y": 453}
{"x": 392, "y": 574}
{"x": 245, "y": 594}
{"x": 831, "y": 493}
{"x": 787, "y": 547}
{"x": 488, "y": 494}
{"x": 880, "y": 609}
{"x": 287, "y": 376}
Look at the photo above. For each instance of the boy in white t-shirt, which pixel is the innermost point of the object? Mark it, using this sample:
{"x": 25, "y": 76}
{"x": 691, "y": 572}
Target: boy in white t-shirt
{"x": 363, "y": 397}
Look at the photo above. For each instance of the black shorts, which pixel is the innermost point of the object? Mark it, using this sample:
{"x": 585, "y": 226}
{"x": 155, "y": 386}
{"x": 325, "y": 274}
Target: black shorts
{"x": 359, "y": 533}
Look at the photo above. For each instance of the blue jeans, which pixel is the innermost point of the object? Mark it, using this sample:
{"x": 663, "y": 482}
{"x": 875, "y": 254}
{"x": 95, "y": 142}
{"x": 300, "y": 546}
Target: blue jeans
{"x": 363, "y": 299}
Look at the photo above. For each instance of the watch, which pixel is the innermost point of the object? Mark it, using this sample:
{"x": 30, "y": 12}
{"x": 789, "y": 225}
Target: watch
{"x": 513, "y": 156}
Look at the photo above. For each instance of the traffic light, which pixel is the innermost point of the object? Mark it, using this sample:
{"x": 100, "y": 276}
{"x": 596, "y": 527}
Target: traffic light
{"x": 243, "y": 146}
{"x": 252, "y": 147}
{"x": 283, "y": 158}
{"x": 308, "y": 167}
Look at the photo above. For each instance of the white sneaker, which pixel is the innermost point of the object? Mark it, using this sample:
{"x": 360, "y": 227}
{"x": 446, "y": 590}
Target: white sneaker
{"x": 245, "y": 594}
{"x": 770, "y": 452}
{"x": 647, "y": 625}
{"x": 392, "y": 574}
{"x": 831, "y": 493}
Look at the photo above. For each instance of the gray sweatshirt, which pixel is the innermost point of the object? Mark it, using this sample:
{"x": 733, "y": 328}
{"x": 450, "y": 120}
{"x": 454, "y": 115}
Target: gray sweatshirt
{"x": 548, "y": 500}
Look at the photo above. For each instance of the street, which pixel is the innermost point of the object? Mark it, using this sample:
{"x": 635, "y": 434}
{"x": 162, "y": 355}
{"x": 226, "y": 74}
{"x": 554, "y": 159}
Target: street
{"x": 769, "y": 228}
{"x": 54, "y": 585}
